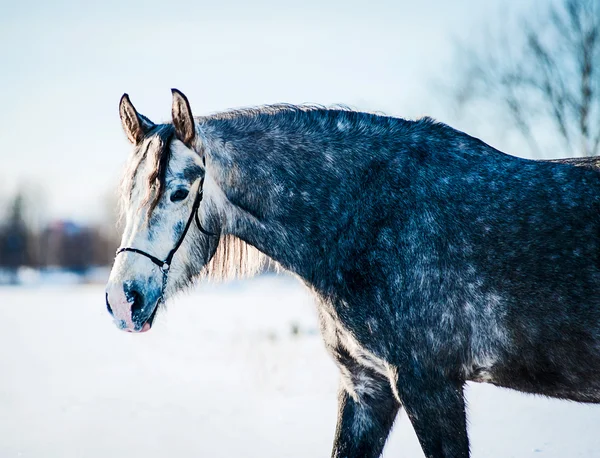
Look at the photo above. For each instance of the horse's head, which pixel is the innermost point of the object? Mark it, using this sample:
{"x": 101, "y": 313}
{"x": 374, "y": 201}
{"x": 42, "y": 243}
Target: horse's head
{"x": 163, "y": 245}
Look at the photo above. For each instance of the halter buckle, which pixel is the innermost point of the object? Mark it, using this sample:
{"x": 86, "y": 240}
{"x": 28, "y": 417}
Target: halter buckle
{"x": 165, "y": 267}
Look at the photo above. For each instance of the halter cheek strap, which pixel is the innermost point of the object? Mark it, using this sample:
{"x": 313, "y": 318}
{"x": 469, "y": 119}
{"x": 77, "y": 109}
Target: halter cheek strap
{"x": 165, "y": 264}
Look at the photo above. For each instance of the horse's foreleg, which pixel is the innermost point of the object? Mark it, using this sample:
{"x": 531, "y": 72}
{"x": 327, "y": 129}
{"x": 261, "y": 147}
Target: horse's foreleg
{"x": 367, "y": 409}
{"x": 436, "y": 409}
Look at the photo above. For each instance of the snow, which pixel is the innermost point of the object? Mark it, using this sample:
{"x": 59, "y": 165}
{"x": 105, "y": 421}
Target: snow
{"x": 53, "y": 276}
{"x": 229, "y": 370}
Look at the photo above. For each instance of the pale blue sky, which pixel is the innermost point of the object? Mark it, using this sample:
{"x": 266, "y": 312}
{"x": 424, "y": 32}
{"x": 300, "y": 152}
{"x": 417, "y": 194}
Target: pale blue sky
{"x": 64, "y": 66}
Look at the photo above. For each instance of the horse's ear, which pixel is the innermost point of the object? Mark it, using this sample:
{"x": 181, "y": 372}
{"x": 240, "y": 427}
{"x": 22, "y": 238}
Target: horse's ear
{"x": 135, "y": 125}
{"x": 185, "y": 127}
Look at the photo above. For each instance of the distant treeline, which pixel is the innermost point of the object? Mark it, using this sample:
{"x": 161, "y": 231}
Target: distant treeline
{"x": 62, "y": 244}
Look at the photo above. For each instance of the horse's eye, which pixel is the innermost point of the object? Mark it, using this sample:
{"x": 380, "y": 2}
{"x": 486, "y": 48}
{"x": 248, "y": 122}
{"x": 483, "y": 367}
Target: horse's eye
{"x": 179, "y": 195}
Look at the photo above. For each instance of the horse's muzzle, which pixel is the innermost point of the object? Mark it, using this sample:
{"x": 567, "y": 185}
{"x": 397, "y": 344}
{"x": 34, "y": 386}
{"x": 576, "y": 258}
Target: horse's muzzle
{"x": 132, "y": 311}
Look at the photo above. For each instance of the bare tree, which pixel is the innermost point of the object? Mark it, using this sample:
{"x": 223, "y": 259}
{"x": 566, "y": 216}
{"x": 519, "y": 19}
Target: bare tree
{"x": 548, "y": 82}
{"x": 14, "y": 236}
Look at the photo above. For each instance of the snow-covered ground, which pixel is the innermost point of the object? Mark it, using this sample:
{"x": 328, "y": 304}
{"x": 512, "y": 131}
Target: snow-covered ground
{"x": 229, "y": 371}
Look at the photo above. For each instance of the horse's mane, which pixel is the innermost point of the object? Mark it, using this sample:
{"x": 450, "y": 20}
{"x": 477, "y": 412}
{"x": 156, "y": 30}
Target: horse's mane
{"x": 273, "y": 110}
{"x": 235, "y": 258}
{"x": 294, "y": 116}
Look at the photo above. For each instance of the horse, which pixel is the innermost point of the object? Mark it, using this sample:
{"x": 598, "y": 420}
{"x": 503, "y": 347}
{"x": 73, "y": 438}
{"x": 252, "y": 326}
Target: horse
{"x": 434, "y": 258}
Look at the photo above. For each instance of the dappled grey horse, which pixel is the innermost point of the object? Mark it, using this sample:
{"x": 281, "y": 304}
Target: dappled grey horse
{"x": 434, "y": 258}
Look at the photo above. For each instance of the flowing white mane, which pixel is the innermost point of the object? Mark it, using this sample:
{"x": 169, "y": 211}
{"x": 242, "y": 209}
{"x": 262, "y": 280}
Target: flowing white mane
{"x": 235, "y": 258}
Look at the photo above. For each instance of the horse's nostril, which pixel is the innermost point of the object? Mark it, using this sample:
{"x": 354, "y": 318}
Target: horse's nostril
{"x": 108, "y": 305}
{"x": 136, "y": 301}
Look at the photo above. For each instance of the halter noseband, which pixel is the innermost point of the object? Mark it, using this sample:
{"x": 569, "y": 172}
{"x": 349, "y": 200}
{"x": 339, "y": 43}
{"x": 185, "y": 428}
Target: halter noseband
{"x": 165, "y": 264}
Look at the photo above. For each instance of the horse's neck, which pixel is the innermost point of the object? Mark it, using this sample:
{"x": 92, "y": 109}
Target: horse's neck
{"x": 300, "y": 192}
{"x": 270, "y": 236}
{"x": 255, "y": 207}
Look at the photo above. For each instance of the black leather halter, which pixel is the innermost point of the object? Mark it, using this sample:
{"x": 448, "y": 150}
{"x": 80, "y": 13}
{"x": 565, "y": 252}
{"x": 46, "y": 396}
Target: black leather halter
{"x": 165, "y": 265}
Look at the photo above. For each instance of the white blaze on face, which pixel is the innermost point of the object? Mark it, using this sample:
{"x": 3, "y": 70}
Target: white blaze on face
{"x": 135, "y": 283}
